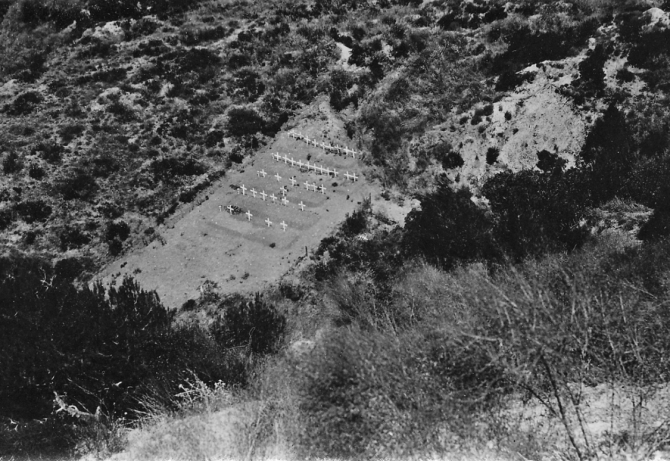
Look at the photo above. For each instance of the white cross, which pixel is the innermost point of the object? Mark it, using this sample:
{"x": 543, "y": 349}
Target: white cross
{"x": 284, "y": 225}
{"x": 302, "y": 206}
{"x": 283, "y": 191}
{"x": 314, "y": 186}
{"x": 249, "y": 215}
{"x": 320, "y": 169}
{"x": 272, "y": 196}
{"x": 284, "y": 201}
{"x": 314, "y": 143}
{"x": 329, "y": 147}
{"x": 293, "y": 181}
{"x": 323, "y": 145}
{"x": 230, "y": 208}
{"x": 323, "y": 189}
{"x": 244, "y": 189}
{"x": 253, "y": 191}
{"x": 306, "y": 138}
{"x": 354, "y": 176}
{"x": 268, "y": 222}
{"x": 291, "y": 134}
{"x": 276, "y": 156}
{"x": 300, "y": 164}
{"x": 285, "y": 159}
{"x": 353, "y": 153}
{"x": 346, "y": 151}
{"x": 263, "y": 194}
{"x": 278, "y": 177}
{"x": 307, "y": 165}
{"x": 299, "y": 135}
{"x": 262, "y": 173}
{"x": 306, "y": 185}
{"x": 334, "y": 172}
{"x": 347, "y": 175}
{"x": 292, "y": 161}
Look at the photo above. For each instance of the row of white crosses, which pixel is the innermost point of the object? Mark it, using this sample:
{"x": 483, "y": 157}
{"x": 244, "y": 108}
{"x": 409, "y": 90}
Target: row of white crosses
{"x": 322, "y": 145}
{"x": 309, "y": 166}
{"x": 263, "y": 195}
{"x": 250, "y": 215}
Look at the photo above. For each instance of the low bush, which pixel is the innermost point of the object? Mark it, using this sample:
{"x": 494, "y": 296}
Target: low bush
{"x": 78, "y": 184}
{"x": 33, "y": 210}
{"x": 23, "y": 104}
{"x": 244, "y": 122}
{"x": 49, "y": 151}
{"x": 250, "y": 323}
{"x": 36, "y": 172}
{"x": 115, "y": 349}
{"x": 11, "y": 163}
{"x": 537, "y": 213}
{"x": 168, "y": 168}
{"x": 117, "y": 229}
{"x": 72, "y": 237}
{"x": 449, "y": 229}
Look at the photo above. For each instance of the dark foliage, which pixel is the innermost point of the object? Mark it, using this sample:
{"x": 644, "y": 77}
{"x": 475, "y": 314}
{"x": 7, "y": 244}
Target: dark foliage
{"x": 11, "y": 163}
{"x": 251, "y": 323}
{"x": 510, "y": 80}
{"x": 92, "y": 348}
{"x": 452, "y": 160}
{"x": 79, "y": 184}
{"x": 549, "y": 162}
{"x": 244, "y": 122}
{"x": 591, "y": 72}
{"x": 69, "y": 132}
{"x": 167, "y": 168}
{"x": 23, "y": 104}
{"x": 117, "y": 229}
{"x": 33, "y": 210}
{"x": 526, "y": 47}
{"x": 49, "y": 151}
{"x": 213, "y": 138}
{"x": 537, "y": 213}
{"x": 607, "y": 155}
{"x": 72, "y": 238}
{"x": 492, "y": 155}
{"x": 449, "y": 229}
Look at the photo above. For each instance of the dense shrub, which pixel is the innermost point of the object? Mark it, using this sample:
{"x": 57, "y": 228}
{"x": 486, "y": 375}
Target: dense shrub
{"x": 549, "y": 162}
{"x": 492, "y": 154}
{"x": 33, "y": 210}
{"x": 72, "y": 237}
{"x": 607, "y": 154}
{"x": 11, "y": 163}
{"x": 93, "y": 348}
{"x": 49, "y": 151}
{"x": 449, "y": 229}
{"x": 251, "y": 323}
{"x": 243, "y": 122}
{"x": 537, "y": 213}
{"x": 78, "y": 184}
{"x": 167, "y": 168}
{"x": 117, "y": 229}
{"x": 23, "y": 104}
{"x": 36, "y": 172}
{"x": 104, "y": 165}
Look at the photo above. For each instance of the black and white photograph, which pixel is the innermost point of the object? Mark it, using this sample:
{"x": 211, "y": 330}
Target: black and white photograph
{"x": 268, "y": 230}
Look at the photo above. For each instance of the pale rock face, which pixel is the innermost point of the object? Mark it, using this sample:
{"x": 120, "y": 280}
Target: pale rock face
{"x": 657, "y": 19}
{"x": 110, "y": 32}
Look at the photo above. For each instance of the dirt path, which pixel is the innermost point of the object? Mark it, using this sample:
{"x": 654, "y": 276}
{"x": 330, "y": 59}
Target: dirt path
{"x": 210, "y": 244}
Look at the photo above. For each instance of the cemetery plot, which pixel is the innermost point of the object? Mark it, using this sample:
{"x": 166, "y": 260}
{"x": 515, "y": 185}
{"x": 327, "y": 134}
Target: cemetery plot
{"x": 259, "y": 221}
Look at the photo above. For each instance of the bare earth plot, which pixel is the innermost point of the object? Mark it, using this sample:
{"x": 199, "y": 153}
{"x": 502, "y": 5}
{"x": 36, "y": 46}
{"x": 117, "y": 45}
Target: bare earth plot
{"x": 210, "y": 244}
